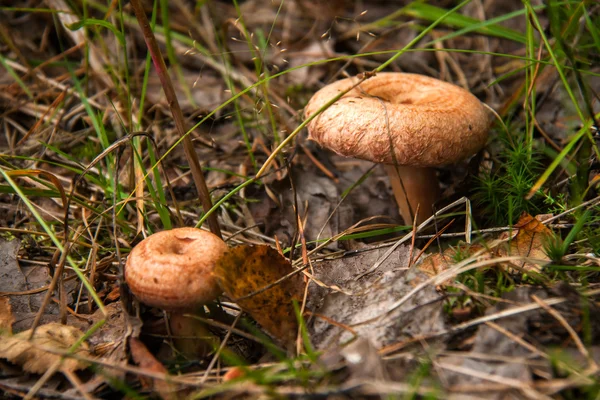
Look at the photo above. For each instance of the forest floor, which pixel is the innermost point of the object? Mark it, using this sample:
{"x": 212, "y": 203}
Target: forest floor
{"x": 326, "y": 290}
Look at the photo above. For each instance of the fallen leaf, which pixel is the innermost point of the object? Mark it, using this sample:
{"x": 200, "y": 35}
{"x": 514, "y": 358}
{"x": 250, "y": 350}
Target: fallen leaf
{"x": 108, "y": 344}
{"x": 32, "y": 355}
{"x": 206, "y": 96}
{"x": 146, "y": 361}
{"x": 25, "y": 286}
{"x": 317, "y": 197}
{"x": 437, "y": 263}
{"x": 344, "y": 307}
{"x": 6, "y": 317}
{"x": 247, "y": 269}
{"x": 528, "y": 241}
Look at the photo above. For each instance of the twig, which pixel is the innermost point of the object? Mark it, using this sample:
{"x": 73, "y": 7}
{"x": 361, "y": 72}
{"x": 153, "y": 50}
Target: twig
{"x": 188, "y": 146}
{"x": 381, "y": 260}
{"x": 220, "y": 349}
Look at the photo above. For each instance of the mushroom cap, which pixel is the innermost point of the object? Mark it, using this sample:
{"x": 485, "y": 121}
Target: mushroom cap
{"x": 426, "y": 121}
{"x": 173, "y": 269}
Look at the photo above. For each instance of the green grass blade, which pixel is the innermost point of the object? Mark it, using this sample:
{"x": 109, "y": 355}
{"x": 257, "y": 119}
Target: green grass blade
{"x": 15, "y": 76}
{"x": 98, "y": 22}
{"x": 429, "y": 12}
{"x": 40, "y": 220}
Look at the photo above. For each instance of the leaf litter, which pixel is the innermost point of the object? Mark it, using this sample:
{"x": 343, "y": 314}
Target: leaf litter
{"x": 37, "y": 353}
{"x": 511, "y": 352}
{"x": 354, "y": 323}
{"x": 359, "y": 308}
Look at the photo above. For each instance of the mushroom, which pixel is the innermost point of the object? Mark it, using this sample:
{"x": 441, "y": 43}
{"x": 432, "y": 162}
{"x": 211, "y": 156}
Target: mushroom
{"x": 172, "y": 270}
{"x": 411, "y": 123}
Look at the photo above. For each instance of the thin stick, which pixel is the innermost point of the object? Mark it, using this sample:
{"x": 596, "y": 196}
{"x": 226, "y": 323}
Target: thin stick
{"x": 188, "y": 146}
{"x": 220, "y": 349}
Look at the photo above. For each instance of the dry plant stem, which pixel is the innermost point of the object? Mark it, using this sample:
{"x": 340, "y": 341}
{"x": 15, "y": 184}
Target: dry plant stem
{"x": 165, "y": 80}
{"x": 414, "y": 187}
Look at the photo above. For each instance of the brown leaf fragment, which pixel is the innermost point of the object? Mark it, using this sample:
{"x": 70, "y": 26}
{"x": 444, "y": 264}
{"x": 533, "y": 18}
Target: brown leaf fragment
{"x": 528, "y": 241}
{"x": 6, "y": 317}
{"x": 145, "y": 360}
{"x": 38, "y": 354}
{"x": 248, "y": 269}
{"x": 437, "y": 263}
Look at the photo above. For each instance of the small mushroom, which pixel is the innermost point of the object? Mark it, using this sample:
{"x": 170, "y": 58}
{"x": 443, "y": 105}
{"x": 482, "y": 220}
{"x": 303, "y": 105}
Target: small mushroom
{"x": 172, "y": 270}
{"x": 411, "y": 123}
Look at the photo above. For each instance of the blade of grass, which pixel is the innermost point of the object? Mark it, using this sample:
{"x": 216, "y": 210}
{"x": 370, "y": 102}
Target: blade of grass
{"x": 54, "y": 239}
{"x": 428, "y": 12}
{"x": 424, "y": 32}
{"x": 585, "y": 129}
{"x": 559, "y": 69}
{"x": 15, "y": 76}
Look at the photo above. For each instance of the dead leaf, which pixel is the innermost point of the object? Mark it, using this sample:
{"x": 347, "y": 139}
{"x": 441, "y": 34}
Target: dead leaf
{"x": 437, "y": 263}
{"x": 145, "y": 360}
{"x": 6, "y": 317}
{"x": 355, "y": 310}
{"x": 32, "y": 356}
{"x": 205, "y": 89}
{"x": 24, "y": 286}
{"x": 528, "y": 241}
{"x": 248, "y": 269}
{"x": 108, "y": 344}
{"x": 318, "y": 196}
{"x": 110, "y": 334}
{"x": 528, "y": 237}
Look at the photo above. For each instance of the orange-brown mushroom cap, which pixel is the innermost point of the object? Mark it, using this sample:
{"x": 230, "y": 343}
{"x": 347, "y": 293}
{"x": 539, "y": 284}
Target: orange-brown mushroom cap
{"x": 426, "y": 121}
{"x": 173, "y": 269}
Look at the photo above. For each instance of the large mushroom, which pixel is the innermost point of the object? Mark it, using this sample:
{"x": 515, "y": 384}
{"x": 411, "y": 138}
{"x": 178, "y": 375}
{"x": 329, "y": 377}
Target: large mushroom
{"x": 411, "y": 123}
{"x": 173, "y": 270}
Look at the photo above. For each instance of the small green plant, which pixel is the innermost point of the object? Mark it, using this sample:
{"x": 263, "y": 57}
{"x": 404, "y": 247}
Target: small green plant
{"x": 501, "y": 192}
{"x": 556, "y": 247}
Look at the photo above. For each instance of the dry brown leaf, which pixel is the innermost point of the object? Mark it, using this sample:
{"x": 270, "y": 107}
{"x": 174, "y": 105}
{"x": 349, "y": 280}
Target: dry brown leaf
{"x": 145, "y": 360}
{"x": 437, "y": 263}
{"x": 248, "y": 269}
{"x": 32, "y": 356}
{"x": 528, "y": 241}
{"x": 528, "y": 237}
{"x": 6, "y": 317}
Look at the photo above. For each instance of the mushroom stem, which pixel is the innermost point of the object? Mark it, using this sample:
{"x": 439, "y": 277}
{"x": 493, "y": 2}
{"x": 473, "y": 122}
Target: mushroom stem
{"x": 191, "y": 337}
{"x": 414, "y": 186}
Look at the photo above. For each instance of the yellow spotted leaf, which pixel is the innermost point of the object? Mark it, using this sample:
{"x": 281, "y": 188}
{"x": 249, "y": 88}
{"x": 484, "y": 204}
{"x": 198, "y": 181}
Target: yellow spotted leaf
{"x": 245, "y": 270}
{"x": 45, "y": 348}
